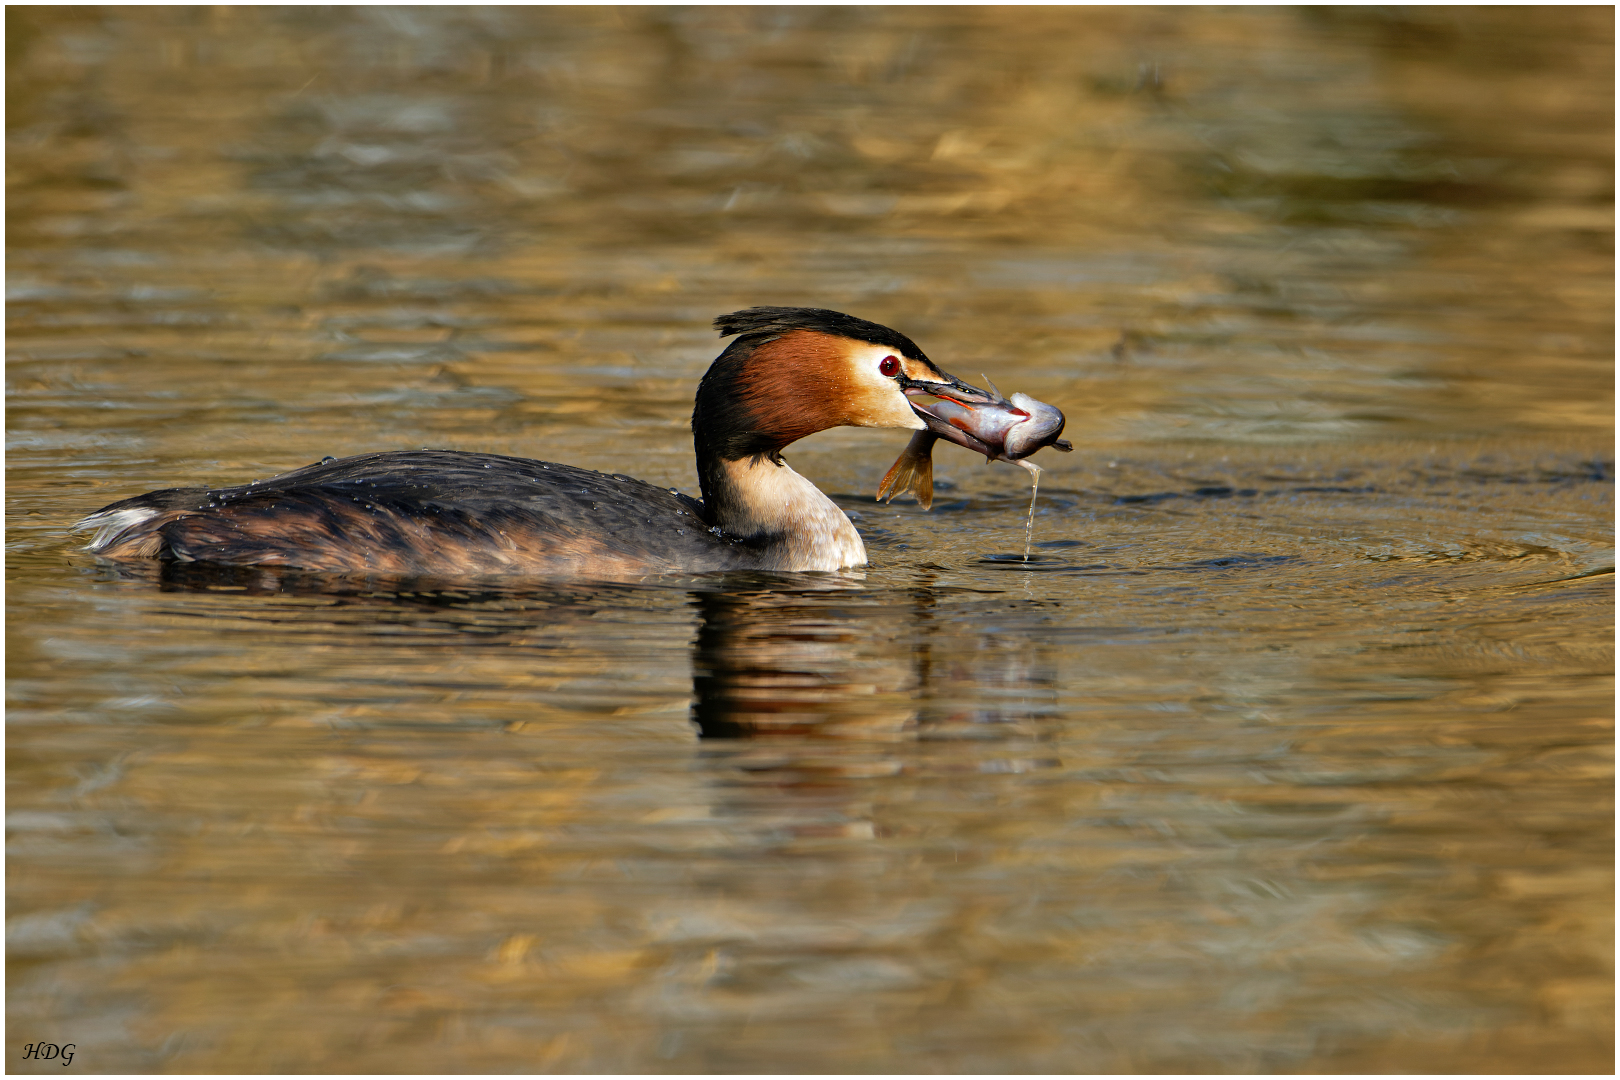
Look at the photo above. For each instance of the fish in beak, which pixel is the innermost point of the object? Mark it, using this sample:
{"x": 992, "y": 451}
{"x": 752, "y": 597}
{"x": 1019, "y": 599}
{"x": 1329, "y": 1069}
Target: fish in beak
{"x": 1002, "y": 429}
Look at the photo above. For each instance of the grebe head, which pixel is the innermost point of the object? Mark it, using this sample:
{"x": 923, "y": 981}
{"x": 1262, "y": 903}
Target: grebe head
{"x": 794, "y": 371}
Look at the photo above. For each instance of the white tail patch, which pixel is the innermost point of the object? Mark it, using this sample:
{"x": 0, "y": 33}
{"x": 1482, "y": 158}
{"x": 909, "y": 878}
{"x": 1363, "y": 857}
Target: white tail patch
{"x": 109, "y": 524}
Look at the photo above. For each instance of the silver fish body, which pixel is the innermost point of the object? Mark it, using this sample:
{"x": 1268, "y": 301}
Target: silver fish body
{"x": 1002, "y": 429}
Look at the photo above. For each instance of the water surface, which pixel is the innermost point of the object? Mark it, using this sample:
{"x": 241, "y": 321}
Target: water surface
{"x": 1290, "y": 749}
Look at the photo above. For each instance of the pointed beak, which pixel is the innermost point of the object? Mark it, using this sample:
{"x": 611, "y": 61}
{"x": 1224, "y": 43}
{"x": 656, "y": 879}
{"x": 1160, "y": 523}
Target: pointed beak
{"x": 952, "y": 388}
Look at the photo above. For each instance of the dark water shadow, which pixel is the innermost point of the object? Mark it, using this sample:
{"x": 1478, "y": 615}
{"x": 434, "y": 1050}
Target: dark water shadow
{"x": 783, "y": 656}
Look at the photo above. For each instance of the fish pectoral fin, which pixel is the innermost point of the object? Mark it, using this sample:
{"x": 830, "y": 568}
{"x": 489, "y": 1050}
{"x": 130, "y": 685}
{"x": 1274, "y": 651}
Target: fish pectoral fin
{"x": 913, "y": 472}
{"x": 886, "y": 487}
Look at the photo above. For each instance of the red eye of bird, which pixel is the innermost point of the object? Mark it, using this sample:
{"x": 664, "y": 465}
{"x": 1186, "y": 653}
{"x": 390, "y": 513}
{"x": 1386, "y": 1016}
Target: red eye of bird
{"x": 890, "y": 366}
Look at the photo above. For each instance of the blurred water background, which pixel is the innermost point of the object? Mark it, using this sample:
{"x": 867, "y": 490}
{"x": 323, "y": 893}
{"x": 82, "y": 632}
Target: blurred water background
{"x": 1290, "y": 750}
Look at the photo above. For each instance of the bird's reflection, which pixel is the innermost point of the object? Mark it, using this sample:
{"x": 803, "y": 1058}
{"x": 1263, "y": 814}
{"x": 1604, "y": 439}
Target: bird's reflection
{"x": 862, "y": 664}
{"x": 803, "y": 663}
{"x": 783, "y": 659}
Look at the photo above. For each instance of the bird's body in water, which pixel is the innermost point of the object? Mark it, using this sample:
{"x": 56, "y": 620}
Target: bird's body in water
{"x": 789, "y": 372}
{"x": 432, "y": 512}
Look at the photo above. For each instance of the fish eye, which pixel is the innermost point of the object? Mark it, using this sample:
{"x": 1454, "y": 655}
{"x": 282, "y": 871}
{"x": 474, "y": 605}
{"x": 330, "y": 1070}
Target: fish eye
{"x": 890, "y": 366}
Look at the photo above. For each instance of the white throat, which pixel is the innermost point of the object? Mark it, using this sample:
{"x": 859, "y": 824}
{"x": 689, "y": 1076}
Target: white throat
{"x": 773, "y": 499}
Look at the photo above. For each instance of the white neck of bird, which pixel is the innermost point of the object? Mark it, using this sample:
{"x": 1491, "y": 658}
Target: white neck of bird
{"x": 764, "y": 498}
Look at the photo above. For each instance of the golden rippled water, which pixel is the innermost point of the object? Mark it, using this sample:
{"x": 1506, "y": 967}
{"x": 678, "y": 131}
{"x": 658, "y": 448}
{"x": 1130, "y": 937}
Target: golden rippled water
{"x": 1288, "y": 750}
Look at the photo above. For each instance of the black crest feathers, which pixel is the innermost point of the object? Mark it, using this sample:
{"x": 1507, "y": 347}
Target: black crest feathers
{"x": 757, "y": 324}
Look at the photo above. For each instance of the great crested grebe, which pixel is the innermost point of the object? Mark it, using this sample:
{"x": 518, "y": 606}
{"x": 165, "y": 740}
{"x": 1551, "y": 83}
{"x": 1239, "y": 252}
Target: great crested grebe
{"x": 790, "y": 373}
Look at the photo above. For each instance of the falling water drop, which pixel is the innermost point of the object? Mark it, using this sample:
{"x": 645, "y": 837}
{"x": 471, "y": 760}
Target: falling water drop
{"x": 1034, "y": 489}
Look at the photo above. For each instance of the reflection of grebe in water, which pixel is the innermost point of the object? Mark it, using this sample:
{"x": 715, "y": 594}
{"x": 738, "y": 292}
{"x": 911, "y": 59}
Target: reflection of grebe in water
{"x": 790, "y": 373}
